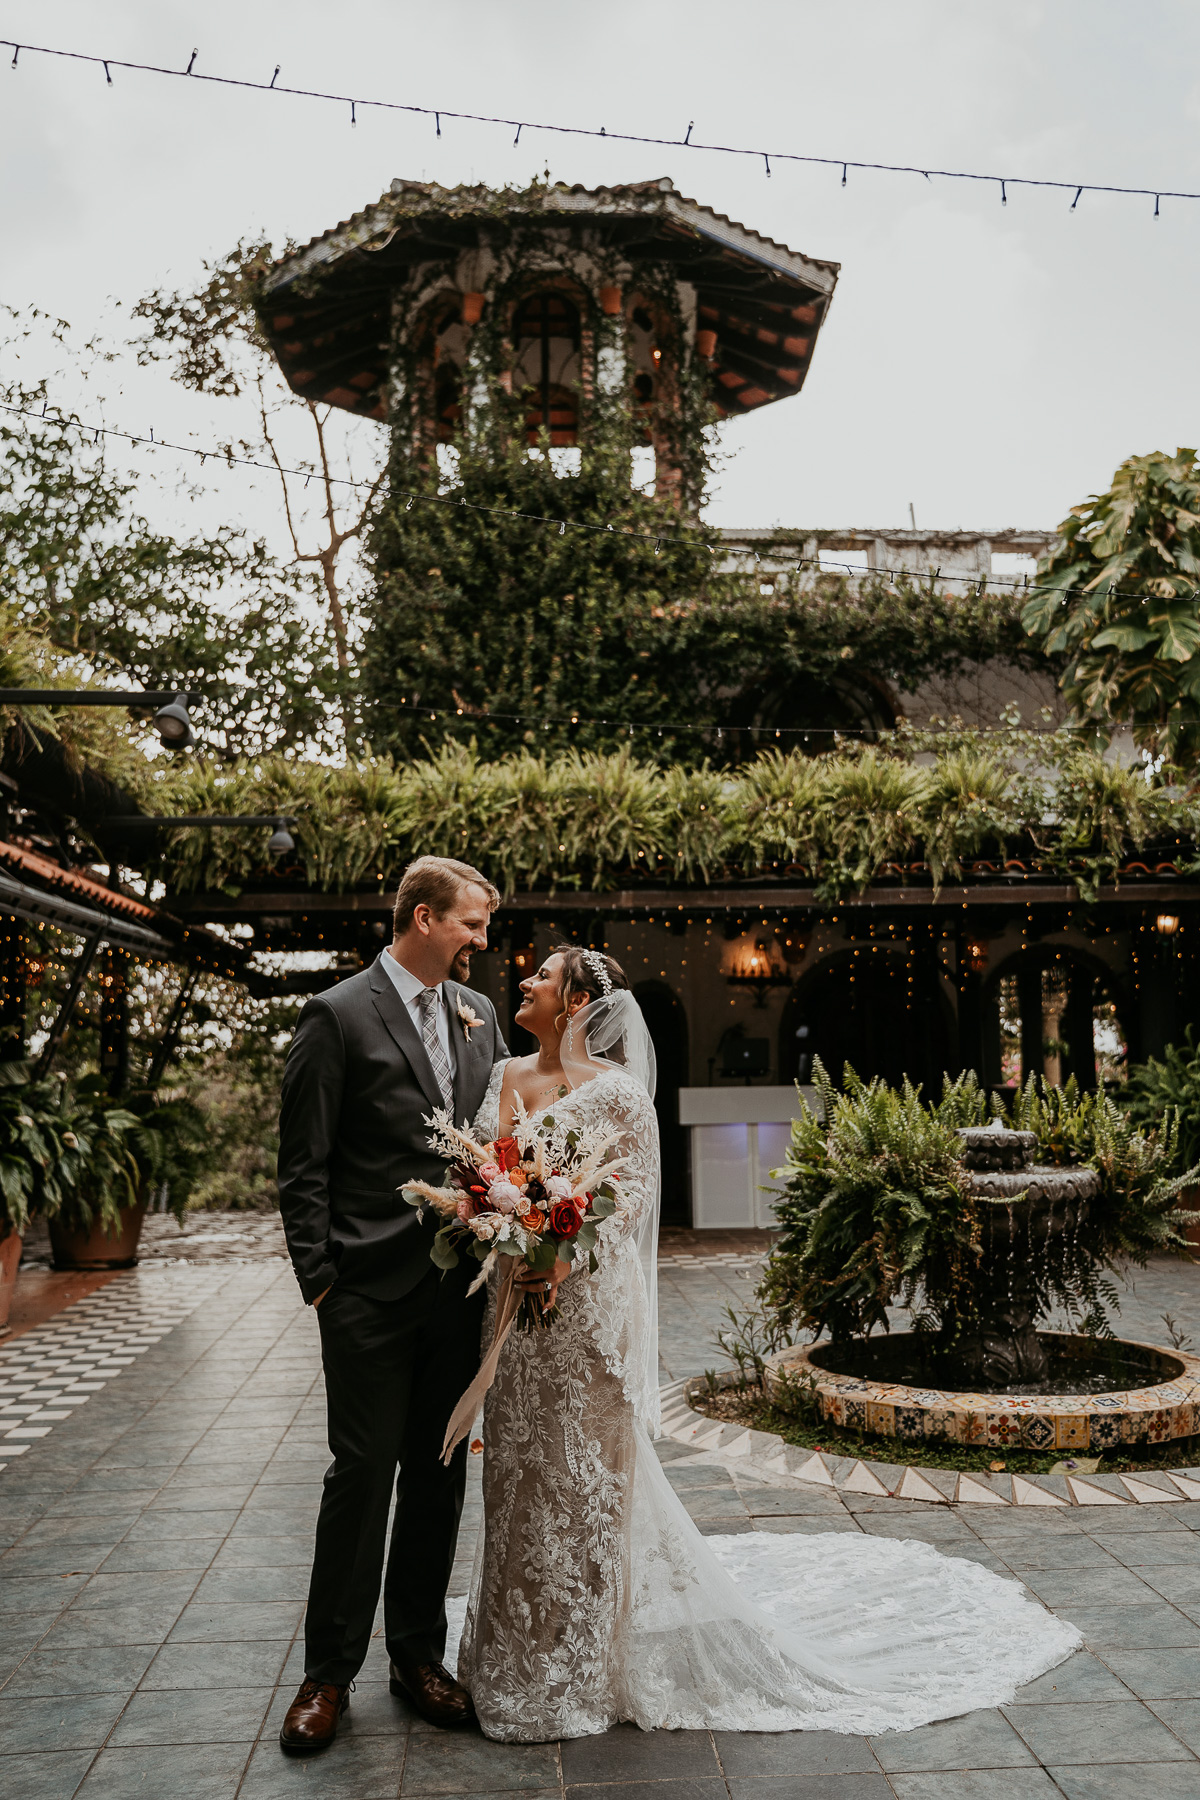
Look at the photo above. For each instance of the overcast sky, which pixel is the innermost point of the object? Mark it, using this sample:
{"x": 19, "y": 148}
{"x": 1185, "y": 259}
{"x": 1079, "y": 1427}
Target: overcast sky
{"x": 989, "y": 364}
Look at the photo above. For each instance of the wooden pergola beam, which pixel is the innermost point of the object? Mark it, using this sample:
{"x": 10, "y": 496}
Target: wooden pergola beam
{"x": 691, "y": 900}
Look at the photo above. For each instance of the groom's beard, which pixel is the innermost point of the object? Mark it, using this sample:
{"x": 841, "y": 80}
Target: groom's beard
{"x": 460, "y": 968}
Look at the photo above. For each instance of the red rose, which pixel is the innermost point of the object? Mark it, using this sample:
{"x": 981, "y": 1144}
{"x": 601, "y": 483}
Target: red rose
{"x": 564, "y": 1219}
{"x": 507, "y": 1152}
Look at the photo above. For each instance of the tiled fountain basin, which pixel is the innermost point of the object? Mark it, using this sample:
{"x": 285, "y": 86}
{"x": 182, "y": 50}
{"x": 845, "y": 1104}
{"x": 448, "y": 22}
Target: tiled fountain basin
{"x": 1166, "y": 1407}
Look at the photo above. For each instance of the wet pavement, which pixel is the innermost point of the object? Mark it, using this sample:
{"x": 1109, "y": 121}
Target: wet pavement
{"x": 157, "y": 1528}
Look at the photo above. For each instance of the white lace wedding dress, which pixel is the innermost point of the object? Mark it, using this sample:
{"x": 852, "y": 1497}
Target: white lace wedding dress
{"x": 595, "y": 1599}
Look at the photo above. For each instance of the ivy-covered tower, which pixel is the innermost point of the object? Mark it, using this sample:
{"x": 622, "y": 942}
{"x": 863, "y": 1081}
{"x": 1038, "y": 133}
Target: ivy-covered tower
{"x": 570, "y": 302}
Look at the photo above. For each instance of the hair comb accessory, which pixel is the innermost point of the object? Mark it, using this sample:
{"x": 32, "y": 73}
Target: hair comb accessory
{"x": 599, "y": 967}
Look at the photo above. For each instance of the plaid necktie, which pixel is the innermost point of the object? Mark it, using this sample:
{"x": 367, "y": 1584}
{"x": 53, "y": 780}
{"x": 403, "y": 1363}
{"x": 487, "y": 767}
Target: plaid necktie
{"x": 427, "y": 1000}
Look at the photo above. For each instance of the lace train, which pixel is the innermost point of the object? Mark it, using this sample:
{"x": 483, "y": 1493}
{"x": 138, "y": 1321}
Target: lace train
{"x": 595, "y": 1599}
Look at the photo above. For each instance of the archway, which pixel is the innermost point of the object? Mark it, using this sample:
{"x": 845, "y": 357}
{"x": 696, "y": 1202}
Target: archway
{"x": 1055, "y": 1011}
{"x": 667, "y": 1023}
{"x": 547, "y": 368}
{"x": 882, "y": 1013}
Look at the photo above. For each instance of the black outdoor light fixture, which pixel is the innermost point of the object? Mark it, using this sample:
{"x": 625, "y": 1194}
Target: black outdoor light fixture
{"x": 171, "y": 719}
{"x": 280, "y": 843}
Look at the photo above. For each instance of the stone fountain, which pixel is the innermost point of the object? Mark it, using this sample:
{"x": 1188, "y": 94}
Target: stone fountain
{"x": 1027, "y": 1207}
{"x": 1003, "y": 1382}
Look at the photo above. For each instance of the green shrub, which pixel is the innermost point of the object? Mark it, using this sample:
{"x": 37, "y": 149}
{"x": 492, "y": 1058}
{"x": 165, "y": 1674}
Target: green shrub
{"x": 1173, "y": 1083}
{"x": 877, "y": 1208}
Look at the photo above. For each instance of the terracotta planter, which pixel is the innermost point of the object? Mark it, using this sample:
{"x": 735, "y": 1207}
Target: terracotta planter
{"x": 92, "y": 1247}
{"x": 610, "y": 301}
{"x": 1190, "y": 1200}
{"x": 10, "y": 1256}
{"x": 706, "y": 344}
{"x": 472, "y": 308}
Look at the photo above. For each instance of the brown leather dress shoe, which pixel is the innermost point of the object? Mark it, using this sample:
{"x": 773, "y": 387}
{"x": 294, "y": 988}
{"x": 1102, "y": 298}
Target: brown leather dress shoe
{"x": 313, "y": 1717}
{"x": 434, "y": 1692}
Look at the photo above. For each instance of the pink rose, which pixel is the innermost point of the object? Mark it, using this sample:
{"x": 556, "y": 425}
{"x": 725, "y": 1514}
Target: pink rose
{"x": 464, "y": 1209}
{"x": 558, "y": 1187}
{"x": 489, "y": 1172}
{"x": 503, "y": 1195}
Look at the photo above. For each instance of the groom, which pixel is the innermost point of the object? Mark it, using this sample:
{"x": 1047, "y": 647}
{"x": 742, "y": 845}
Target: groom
{"x": 399, "y": 1341}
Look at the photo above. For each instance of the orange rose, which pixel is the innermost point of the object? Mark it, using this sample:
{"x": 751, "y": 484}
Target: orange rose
{"x": 534, "y": 1220}
{"x": 507, "y": 1152}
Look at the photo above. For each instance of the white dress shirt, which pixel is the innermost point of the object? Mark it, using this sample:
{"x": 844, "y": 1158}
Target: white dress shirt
{"x": 410, "y": 988}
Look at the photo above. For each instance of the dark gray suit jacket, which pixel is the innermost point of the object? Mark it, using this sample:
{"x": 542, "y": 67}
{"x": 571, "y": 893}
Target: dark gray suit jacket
{"x": 351, "y": 1129}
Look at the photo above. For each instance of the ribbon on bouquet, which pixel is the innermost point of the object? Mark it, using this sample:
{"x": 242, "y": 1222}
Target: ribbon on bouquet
{"x": 508, "y": 1303}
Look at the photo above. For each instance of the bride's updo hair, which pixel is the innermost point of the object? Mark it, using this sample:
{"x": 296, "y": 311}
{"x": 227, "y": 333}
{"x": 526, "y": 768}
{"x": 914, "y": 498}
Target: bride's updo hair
{"x": 580, "y": 976}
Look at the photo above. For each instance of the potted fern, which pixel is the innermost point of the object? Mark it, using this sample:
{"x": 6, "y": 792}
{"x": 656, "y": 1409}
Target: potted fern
{"x": 118, "y": 1158}
{"x": 35, "y": 1160}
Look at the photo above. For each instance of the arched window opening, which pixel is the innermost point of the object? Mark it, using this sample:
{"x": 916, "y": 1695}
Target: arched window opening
{"x": 442, "y": 360}
{"x": 667, "y": 1024}
{"x": 645, "y": 355}
{"x": 546, "y": 341}
{"x": 1057, "y": 1018}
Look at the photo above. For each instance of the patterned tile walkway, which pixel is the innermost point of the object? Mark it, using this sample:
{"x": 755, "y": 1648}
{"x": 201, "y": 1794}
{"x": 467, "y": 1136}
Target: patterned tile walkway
{"x": 156, "y": 1544}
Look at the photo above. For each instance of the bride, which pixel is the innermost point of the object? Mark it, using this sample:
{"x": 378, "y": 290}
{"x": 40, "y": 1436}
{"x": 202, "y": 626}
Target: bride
{"x": 594, "y": 1597}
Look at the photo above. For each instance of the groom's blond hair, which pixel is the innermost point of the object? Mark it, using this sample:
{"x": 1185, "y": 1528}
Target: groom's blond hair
{"x": 436, "y": 882}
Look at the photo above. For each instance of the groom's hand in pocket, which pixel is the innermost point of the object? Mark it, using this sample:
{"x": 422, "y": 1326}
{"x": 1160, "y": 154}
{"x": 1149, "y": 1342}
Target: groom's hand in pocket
{"x": 317, "y": 1301}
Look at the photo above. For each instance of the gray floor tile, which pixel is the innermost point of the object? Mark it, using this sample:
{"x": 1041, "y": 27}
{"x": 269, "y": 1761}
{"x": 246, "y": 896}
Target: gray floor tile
{"x": 981, "y": 1740}
{"x": 135, "y": 1622}
{"x": 120, "y": 1588}
{"x": 1163, "y": 1781}
{"x": 1178, "y": 1548}
{"x": 627, "y": 1754}
{"x": 463, "y": 1762}
{"x": 364, "y": 1768}
{"x": 193, "y": 1716}
{"x": 1183, "y": 1718}
{"x": 281, "y": 1583}
{"x": 793, "y": 1753}
{"x": 217, "y": 1665}
{"x": 156, "y": 1555}
{"x": 975, "y": 1784}
{"x": 108, "y": 1670}
{"x": 231, "y": 1621}
{"x": 1121, "y": 1731}
{"x": 69, "y": 1722}
{"x": 1157, "y": 1674}
{"x": 696, "y": 1787}
{"x": 1067, "y": 1588}
{"x": 1082, "y": 1677}
{"x": 1179, "y": 1585}
{"x": 207, "y": 1772}
{"x": 265, "y": 1552}
{"x": 39, "y": 1593}
{"x": 51, "y": 1775}
{"x": 1136, "y": 1627}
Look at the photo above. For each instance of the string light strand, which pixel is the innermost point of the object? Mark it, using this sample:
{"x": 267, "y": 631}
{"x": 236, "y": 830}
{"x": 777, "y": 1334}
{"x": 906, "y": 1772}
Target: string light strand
{"x": 684, "y": 539}
{"x": 354, "y": 102}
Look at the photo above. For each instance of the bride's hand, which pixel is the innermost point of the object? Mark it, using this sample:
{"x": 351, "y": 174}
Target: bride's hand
{"x": 543, "y": 1284}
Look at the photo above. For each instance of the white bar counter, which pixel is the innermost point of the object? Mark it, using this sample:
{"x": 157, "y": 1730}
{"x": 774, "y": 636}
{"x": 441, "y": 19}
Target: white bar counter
{"x": 738, "y": 1135}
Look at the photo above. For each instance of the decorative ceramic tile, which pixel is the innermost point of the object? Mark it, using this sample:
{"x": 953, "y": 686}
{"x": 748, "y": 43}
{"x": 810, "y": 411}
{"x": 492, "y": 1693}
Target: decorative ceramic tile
{"x": 1071, "y": 1431}
{"x": 1104, "y": 1432}
{"x": 855, "y": 1414}
{"x": 1039, "y": 1432}
{"x": 881, "y": 1418}
{"x": 910, "y": 1423}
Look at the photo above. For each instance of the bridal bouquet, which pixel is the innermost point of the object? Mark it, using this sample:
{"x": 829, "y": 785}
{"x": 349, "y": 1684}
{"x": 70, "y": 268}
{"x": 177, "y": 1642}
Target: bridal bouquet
{"x": 537, "y": 1197}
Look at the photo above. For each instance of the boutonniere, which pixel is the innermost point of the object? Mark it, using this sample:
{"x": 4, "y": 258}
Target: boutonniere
{"x": 468, "y": 1019}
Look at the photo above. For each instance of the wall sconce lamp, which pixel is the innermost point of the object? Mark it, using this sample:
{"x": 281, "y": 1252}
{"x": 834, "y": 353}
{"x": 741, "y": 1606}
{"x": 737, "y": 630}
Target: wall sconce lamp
{"x": 1167, "y": 924}
{"x": 758, "y": 966}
